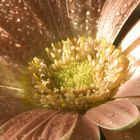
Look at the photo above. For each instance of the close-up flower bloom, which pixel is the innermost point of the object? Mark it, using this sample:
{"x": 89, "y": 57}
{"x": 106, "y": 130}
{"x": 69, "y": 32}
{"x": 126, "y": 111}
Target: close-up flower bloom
{"x": 69, "y": 70}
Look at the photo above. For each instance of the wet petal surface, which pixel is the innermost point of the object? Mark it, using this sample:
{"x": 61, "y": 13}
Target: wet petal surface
{"x": 114, "y": 115}
{"x": 130, "y": 134}
{"x": 29, "y": 26}
{"x": 131, "y": 88}
{"x": 113, "y": 16}
{"x": 85, "y": 130}
{"x": 10, "y": 106}
{"x": 40, "y": 124}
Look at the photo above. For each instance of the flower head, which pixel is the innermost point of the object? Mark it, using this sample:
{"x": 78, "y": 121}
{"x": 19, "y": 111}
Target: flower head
{"x": 77, "y": 74}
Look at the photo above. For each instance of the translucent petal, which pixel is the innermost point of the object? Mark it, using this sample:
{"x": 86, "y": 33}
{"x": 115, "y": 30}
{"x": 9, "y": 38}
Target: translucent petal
{"x": 11, "y": 106}
{"x": 85, "y": 130}
{"x": 113, "y": 17}
{"x": 114, "y": 115}
{"x": 43, "y": 124}
{"x": 20, "y": 30}
{"x": 130, "y": 88}
{"x": 130, "y": 134}
{"x": 132, "y": 39}
{"x": 28, "y": 26}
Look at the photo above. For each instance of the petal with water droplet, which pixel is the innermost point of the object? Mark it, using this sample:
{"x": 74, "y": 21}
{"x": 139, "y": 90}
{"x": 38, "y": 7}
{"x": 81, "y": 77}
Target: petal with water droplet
{"x": 132, "y": 40}
{"x": 24, "y": 34}
{"x": 60, "y": 127}
{"x": 22, "y": 124}
{"x": 91, "y": 130}
{"x": 130, "y": 88}
{"x": 113, "y": 16}
{"x": 134, "y": 100}
{"x": 85, "y": 130}
{"x": 114, "y": 115}
{"x": 10, "y": 106}
{"x": 130, "y": 134}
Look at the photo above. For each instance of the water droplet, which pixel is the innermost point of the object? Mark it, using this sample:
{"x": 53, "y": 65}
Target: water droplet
{"x": 87, "y": 27}
{"x": 111, "y": 115}
{"x": 97, "y": 21}
{"x": 18, "y": 20}
{"x": 88, "y": 13}
{"x": 19, "y": 29}
{"x": 70, "y": 1}
{"x": 75, "y": 23}
{"x": 99, "y": 10}
{"x": 110, "y": 122}
{"x": 72, "y": 11}
{"x": 125, "y": 5}
{"x": 58, "y": 19}
{"x": 117, "y": 14}
{"x": 19, "y": 1}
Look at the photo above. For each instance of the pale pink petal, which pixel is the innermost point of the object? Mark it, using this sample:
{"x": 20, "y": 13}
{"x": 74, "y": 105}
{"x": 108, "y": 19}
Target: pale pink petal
{"x": 114, "y": 115}
{"x": 134, "y": 100}
{"x": 10, "y": 106}
{"x": 11, "y": 76}
{"x": 27, "y": 27}
{"x": 131, "y": 47}
{"x": 60, "y": 127}
{"x": 135, "y": 69}
{"x": 91, "y": 130}
{"x": 11, "y": 92}
{"x": 22, "y": 124}
{"x": 22, "y": 33}
{"x": 85, "y": 130}
{"x": 40, "y": 124}
{"x": 131, "y": 88}
{"x": 130, "y": 134}
{"x": 113, "y": 16}
{"x": 132, "y": 40}
{"x": 70, "y": 18}
{"x": 133, "y": 52}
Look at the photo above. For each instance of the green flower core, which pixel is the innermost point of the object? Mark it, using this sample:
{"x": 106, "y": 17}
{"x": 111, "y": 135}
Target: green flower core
{"x": 77, "y": 74}
{"x": 73, "y": 76}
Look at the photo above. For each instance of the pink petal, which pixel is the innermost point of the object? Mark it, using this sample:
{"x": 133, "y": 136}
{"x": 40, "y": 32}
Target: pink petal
{"x": 22, "y": 124}
{"x": 85, "y": 130}
{"x": 131, "y": 41}
{"x": 111, "y": 22}
{"x": 131, "y": 88}
{"x": 133, "y": 49}
{"x": 22, "y": 34}
{"x": 31, "y": 28}
{"x": 134, "y": 100}
{"x": 60, "y": 127}
{"x": 90, "y": 129}
{"x": 10, "y": 74}
{"x": 10, "y": 106}
{"x": 135, "y": 69}
{"x": 39, "y": 124}
{"x": 130, "y": 134}
{"x": 114, "y": 115}
{"x": 68, "y": 16}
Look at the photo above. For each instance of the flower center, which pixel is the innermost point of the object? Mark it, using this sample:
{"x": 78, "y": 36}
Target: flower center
{"x": 77, "y": 74}
{"x": 74, "y": 75}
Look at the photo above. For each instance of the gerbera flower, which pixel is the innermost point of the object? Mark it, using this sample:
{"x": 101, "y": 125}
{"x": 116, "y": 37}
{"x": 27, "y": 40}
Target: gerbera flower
{"x": 61, "y": 76}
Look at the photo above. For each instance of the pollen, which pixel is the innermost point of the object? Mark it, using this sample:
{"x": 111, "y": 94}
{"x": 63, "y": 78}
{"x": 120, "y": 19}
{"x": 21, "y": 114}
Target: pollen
{"x": 77, "y": 74}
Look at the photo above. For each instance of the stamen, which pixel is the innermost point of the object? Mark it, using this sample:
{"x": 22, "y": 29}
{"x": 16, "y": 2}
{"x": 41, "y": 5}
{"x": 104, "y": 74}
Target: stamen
{"x": 78, "y": 74}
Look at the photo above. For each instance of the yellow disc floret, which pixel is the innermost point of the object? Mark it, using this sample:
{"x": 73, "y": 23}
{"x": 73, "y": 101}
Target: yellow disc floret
{"x": 77, "y": 74}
